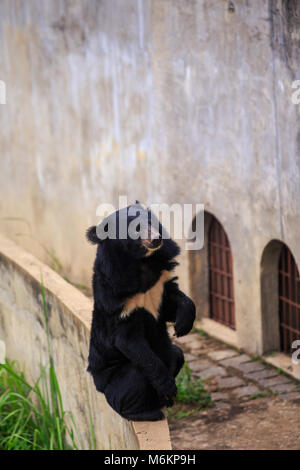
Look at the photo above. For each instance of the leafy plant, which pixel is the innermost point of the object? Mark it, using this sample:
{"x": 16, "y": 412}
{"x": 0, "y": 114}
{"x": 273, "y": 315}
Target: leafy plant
{"x": 190, "y": 390}
{"x": 258, "y": 395}
{"x": 191, "y": 396}
{"x": 33, "y": 417}
{"x": 201, "y": 332}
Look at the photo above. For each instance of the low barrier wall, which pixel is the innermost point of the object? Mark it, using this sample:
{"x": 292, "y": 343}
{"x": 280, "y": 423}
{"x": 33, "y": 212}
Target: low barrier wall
{"x": 22, "y": 328}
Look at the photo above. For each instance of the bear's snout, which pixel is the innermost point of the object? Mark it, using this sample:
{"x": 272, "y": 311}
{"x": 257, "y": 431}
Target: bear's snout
{"x": 153, "y": 240}
{"x": 156, "y": 242}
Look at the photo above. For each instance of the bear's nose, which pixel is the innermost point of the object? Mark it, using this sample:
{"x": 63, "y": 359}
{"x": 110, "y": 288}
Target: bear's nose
{"x": 155, "y": 239}
{"x": 156, "y": 242}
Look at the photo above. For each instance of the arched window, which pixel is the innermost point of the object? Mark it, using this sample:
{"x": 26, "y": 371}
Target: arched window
{"x": 220, "y": 276}
{"x": 280, "y": 298}
{"x": 289, "y": 300}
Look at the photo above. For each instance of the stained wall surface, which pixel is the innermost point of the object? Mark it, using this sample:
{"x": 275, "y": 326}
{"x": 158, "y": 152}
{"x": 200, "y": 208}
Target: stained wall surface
{"x": 162, "y": 101}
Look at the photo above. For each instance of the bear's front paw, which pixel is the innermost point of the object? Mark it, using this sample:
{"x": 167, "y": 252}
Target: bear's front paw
{"x": 182, "y": 328}
{"x": 185, "y": 317}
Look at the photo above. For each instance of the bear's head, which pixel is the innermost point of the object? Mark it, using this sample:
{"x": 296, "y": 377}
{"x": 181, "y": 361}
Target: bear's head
{"x": 134, "y": 230}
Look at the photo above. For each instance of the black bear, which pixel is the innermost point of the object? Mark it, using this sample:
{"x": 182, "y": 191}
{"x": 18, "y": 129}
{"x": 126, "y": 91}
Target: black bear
{"x": 131, "y": 358}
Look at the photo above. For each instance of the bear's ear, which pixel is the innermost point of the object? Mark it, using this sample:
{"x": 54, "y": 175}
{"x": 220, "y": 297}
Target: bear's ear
{"x": 91, "y": 235}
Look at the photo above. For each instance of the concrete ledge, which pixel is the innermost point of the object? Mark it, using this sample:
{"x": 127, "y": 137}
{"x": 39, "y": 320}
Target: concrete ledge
{"x": 284, "y": 362}
{"x": 218, "y": 331}
{"x": 69, "y": 311}
{"x": 153, "y": 436}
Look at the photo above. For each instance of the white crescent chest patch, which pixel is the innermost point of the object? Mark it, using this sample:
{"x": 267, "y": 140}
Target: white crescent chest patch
{"x": 150, "y": 300}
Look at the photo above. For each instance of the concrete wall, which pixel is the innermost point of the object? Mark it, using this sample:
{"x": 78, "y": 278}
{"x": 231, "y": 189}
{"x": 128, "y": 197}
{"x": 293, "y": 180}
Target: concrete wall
{"x": 164, "y": 101}
{"x": 22, "y": 328}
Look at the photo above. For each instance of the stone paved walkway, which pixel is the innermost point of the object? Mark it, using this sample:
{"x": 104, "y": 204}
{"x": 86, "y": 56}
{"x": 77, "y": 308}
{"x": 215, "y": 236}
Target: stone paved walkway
{"x": 242, "y": 388}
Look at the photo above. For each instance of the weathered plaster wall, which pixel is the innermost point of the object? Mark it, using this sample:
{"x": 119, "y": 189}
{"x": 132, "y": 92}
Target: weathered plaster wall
{"x": 22, "y": 328}
{"x": 164, "y": 101}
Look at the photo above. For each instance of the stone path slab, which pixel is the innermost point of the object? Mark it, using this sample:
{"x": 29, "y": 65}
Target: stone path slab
{"x": 200, "y": 364}
{"x": 262, "y": 374}
{"x": 278, "y": 380}
{"x": 236, "y": 361}
{"x": 284, "y": 388}
{"x": 246, "y": 391}
{"x": 222, "y": 354}
{"x": 290, "y": 396}
{"x": 229, "y": 382}
{"x": 186, "y": 340}
{"x": 251, "y": 367}
{"x": 190, "y": 357}
{"x": 194, "y": 345}
{"x": 211, "y": 372}
{"x": 217, "y": 396}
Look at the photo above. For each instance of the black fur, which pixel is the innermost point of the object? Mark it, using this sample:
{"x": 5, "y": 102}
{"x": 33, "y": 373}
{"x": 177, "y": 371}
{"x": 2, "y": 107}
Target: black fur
{"x": 132, "y": 359}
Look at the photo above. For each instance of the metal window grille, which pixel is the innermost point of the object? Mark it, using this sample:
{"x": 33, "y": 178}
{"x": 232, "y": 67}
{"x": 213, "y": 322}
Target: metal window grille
{"x": 289, "y": 300}
{"x": 220, "y": 276}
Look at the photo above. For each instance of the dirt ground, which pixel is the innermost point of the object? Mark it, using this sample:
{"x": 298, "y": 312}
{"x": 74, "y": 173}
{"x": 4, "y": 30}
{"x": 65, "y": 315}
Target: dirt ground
{"x": 264, "y": 423}
{"x": 255, "y": 406}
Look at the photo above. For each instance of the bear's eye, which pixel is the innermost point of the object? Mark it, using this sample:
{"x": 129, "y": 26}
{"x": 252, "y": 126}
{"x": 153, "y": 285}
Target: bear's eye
{"x": 138, "y": 228}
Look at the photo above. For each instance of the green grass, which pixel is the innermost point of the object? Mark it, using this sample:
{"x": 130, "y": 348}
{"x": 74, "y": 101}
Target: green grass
{"x": 190, "y": 390}
{"x": 201, "y": 332}
{"x": 271, "y": 353}
{"x": 257, "y": 358}
{"x": 32, "y": 417}
{"x": 191, "y": 395}
{"x": 259, "y": 395}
